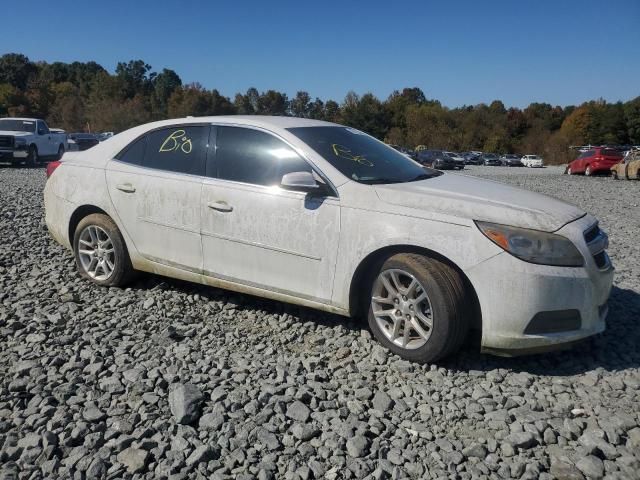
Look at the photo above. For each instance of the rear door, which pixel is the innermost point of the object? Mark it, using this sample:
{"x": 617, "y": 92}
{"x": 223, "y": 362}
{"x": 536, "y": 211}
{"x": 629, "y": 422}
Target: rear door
{"x": 258, "y": 234}
{"x": 155, "y": 185}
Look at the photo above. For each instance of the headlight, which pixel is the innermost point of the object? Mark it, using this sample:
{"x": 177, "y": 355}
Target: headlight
{"x": 533, "y": 246}
{"x": 20, "y": 142}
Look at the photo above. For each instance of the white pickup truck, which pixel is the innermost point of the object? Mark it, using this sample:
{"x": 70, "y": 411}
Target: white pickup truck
{"x": 29, "y": 141}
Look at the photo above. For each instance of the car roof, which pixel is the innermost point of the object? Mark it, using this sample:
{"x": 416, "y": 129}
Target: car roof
{"x": 265, "y": 121}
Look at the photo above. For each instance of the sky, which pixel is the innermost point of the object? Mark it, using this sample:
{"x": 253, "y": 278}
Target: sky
{"x": 563, "y": 52}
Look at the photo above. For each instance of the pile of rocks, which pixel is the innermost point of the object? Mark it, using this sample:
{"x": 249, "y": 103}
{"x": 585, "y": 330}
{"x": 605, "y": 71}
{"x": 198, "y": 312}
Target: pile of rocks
{"x": 171, "y": 380}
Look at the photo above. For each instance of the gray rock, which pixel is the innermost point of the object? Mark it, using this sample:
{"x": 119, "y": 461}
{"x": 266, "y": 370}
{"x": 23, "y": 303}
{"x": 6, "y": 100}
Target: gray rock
{"x": 358, "y": 446}
{"x": 203, "y": 453}
{"x": 185, "y": 401}
{"x": 134, "y": 459}
{"x": 93, "y": 413}
{"x": 298, "y": 411}
{"x": 211, "y": 421}
{"x": 304, "y": 432}
{"x": 381, "y": 401}
{"x": 475, "y": 450}
{"x": 565, "y": 471}
{"x": 520, "y": 440}
{"x": 591, "y": 466}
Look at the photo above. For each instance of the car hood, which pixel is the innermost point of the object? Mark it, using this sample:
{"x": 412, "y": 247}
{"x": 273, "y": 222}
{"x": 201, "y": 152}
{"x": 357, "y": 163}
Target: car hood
{"x": 477, "y": 199}
{"x": 14, "y": 134}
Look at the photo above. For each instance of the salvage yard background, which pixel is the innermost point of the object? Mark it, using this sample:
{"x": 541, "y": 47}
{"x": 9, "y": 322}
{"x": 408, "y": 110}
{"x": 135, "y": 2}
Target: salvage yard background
{"x": 94, "y": 381}
{"x": 84, "y": 96}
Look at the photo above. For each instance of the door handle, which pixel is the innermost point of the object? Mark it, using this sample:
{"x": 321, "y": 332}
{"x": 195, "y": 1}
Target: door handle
{"x": 126, "y": 187}
{"x": 221, "y": 206}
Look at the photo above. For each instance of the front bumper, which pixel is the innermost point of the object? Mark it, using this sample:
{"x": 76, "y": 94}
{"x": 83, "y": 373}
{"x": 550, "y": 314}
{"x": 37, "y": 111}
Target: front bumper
{"x": 9, "y": 155}
{"x": 512, "y": 293}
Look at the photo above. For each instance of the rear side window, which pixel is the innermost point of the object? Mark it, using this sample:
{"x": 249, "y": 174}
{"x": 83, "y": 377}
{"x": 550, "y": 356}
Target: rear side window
{"x": 255, "y": 157}
{"x": 180, "y": 149}
{"x": 610, "y": 152}
{"x": 134, "y": 153}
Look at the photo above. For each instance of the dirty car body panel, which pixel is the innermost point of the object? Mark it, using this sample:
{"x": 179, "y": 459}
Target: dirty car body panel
{"x": 208, "y": 226}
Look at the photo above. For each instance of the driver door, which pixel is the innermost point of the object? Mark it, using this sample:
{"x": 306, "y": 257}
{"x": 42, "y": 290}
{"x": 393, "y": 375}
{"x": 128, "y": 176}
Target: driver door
{"x": 258, "y": 234}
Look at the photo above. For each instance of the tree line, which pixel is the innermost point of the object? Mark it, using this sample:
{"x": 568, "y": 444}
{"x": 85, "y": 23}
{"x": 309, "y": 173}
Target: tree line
{"x": 83, "y": 96}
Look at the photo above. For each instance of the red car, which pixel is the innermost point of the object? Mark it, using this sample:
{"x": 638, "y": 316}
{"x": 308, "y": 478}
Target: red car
{"x": 595, "y": 160}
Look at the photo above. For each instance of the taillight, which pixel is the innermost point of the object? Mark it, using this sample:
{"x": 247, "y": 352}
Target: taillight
{"x": 51, "y": 167}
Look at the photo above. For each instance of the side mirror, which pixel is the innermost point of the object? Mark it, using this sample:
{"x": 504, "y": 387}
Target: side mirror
{"x": 300, "y": 181}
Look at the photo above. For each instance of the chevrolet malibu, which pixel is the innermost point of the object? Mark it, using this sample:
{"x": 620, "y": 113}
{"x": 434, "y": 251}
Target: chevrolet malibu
{"x": 325, "y": 216}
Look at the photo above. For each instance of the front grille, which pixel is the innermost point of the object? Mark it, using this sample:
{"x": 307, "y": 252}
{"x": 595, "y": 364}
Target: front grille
{"x": 597, "y": 242}
{"x": 6, "y": 141}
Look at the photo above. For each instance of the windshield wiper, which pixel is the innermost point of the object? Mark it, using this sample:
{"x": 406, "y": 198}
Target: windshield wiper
{"x": 425, "y": 176}
{"x": 371, "y": 181}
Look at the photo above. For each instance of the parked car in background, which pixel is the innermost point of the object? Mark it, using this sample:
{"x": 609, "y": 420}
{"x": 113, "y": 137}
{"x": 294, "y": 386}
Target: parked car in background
{"x": 436, "y": 159}
{"x": 29, "y": 141}
{"x": 491, "y": 159}
{"x": 457, "y": 158}
{"x": 629, "y": 167}
{"x": 328, "y": 217}
{"x": 532, "y": 161}
{"x": 511, "y": 160}
{"x": 405, "y": 151}
{"x": 595, "y": 160}
{"x": 104, "y": 136}
{"x": 472, "y": 158}
{"x": 83, "y": 141}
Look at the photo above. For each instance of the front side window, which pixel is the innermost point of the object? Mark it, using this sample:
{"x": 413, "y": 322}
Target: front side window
{"x": 251, "y": 156}
{"x": 361, "y": 157}
{"x": 180, "y": 149}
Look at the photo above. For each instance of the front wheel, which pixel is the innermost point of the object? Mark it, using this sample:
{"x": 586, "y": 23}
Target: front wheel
{"x": 588, "y": 172}
{"x": 100, "y": 251}
{"x": 60, "y": 152}
{"x": 418, "y": 308}
{"x": 32, "y": 157}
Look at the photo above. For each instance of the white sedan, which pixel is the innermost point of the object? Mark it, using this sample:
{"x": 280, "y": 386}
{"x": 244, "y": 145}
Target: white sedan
{"x": 532, "y": 161}
{"x": 326, "y": 216}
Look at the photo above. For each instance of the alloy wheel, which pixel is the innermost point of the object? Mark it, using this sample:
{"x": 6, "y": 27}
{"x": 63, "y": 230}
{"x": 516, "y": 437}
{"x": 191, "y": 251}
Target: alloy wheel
{"x": 402, "y": 308}
{"x": 96, "y": 253}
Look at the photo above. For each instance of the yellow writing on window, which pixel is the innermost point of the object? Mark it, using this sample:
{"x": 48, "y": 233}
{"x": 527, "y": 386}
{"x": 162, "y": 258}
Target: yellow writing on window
{"x": 344, "y": 152}
{"x": 178, "y": 140}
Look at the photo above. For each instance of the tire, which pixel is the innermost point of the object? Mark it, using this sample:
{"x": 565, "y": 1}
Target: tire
{"x": 60, "y": 152}
{"x": 445, "y": 300}
{"x": 32, "y": 157}
{"x": 569, "y": 170}
{"x": 614, "y": 175}
{"x": 116, "y": 269}
{"x": 588, "y": 171}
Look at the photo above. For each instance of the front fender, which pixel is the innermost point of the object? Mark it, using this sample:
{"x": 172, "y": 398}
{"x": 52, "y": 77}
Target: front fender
{"x": 365, "y": 232}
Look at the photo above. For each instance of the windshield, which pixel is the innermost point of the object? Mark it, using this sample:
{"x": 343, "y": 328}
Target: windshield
{"x": 490, "y": 155}
{"x": 11, "y": 125}
{"x": 361, "y": 157}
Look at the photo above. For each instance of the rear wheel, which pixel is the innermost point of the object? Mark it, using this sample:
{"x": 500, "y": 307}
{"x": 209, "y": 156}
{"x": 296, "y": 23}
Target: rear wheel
{"x": 614, "y": 174}
{"x": 588, "y": 172}
{"x": 60, "y": 152}
{"x": 417, "y": 307}
{"x": 100, "y": 251}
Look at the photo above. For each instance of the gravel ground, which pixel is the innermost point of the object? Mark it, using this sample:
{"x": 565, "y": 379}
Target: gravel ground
{"x": 171, "y": 380}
